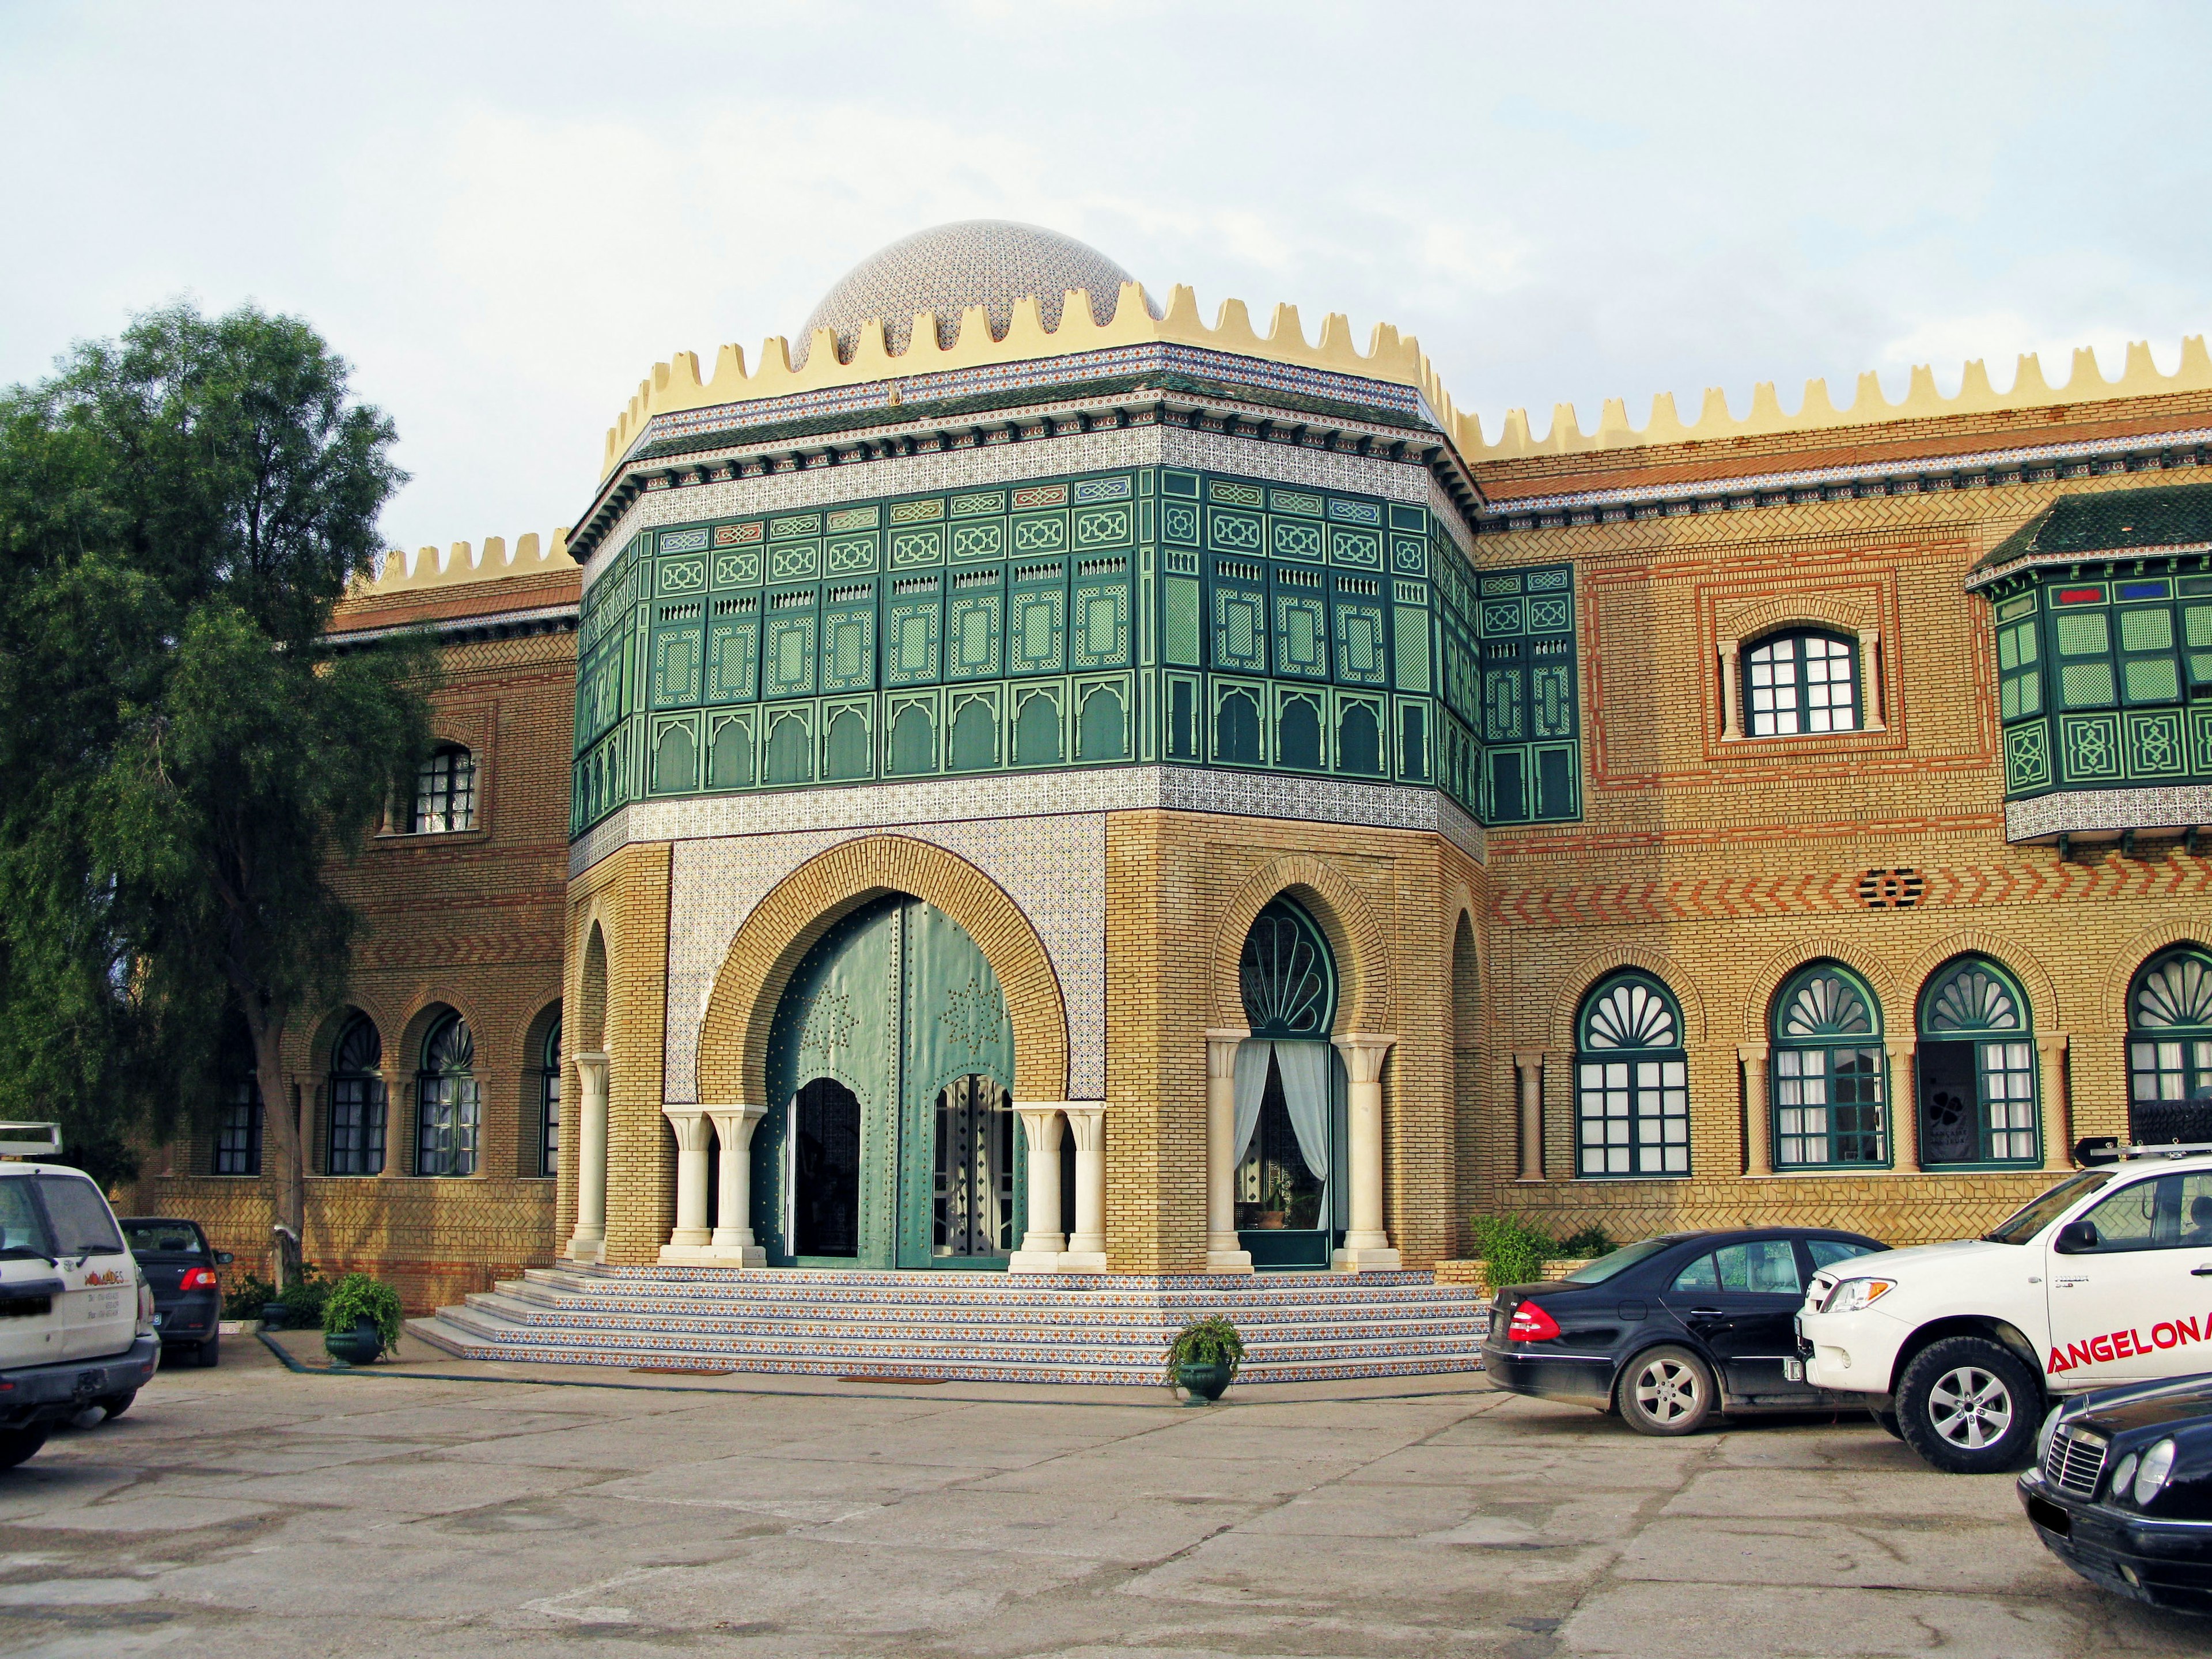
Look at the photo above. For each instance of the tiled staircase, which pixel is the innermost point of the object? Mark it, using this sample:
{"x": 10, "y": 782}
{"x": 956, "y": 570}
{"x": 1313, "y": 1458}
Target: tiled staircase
{"x": 1073, "y": 1328}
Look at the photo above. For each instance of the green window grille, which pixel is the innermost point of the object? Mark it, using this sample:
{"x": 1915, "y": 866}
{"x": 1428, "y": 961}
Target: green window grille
{"x": 1802, "y": 681}
{"x": 2170, "y": 1049}
{"x": 1827, "y": 1079}
{"x": 447, "y": 1102}
{"x": 1976, "y": 1061}
{"x": 1631, "y": 1081}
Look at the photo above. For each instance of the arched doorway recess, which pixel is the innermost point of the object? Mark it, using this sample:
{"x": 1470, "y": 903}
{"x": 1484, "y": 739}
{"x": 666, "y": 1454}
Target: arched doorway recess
{"x": 1291, "y": 1206}
{"x": 889, "y": 1138}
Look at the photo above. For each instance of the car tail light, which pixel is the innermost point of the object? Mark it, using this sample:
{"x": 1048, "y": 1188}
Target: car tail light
{"x": 198, "y": 1279}
{"x": 1531, "y": 1324}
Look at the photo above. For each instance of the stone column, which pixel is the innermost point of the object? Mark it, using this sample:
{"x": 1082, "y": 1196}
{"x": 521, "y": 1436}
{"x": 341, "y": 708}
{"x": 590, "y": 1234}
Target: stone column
{"x": 1903, "y": 1107}
{"x": 1877, "y": 699}
{"x": 690, "y": 1235}
{"x": 733, "y": 1240}
{"x": 589, "y": 1240}
{"x": 1731, "y": 689}
{"x": 1043, "y": 1242}
{"x": 1222, "y": 1252}
{"x": 1086, "y": 1245}
{"x": 2050, "y": 1053}
{"x": 1758, "y": 1110}
{"x": 1367, "y": 1246}
{"x": 1529, "y": 1072}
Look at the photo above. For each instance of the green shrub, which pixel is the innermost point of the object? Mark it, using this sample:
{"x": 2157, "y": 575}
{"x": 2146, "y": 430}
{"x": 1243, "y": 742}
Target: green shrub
{"x": 1210, "y": 1341}
{"x": 1513, "y": 1252}
{"x": 357, "y": 1297}
{"x": 304, "y": 1300}
{"x": 1586, "y": 1245}
{"x": 246, "y": 1298}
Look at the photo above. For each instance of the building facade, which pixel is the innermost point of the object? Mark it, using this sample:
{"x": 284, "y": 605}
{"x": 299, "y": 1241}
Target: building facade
{"x": 1055, "y": 786}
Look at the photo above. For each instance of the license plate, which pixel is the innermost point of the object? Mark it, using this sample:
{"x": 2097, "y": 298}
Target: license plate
{"x": 1793, "y": 1371}
{"x": 158, "y": 1318}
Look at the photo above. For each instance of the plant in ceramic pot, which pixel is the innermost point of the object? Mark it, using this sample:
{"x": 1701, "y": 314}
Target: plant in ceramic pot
{"x": 361, "y": 1320}
{"x": 1274, "y": 1209}
{"x": 1204, "y": 1358}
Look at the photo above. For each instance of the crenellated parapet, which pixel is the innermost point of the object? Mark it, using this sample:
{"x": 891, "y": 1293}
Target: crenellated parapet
{"x": 530, "y": 554}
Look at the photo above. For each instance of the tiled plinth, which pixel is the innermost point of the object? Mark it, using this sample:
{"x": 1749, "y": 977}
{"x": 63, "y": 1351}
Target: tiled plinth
{"x": 1045, "y": 1328}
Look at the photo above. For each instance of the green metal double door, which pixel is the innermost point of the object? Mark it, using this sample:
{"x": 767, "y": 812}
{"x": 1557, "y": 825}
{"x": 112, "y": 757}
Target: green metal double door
{"x": 891, "y": 1139}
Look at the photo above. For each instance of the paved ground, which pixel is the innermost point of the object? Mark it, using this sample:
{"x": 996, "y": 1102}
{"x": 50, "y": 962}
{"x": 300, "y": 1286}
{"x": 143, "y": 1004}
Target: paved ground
{"x": 249, "y": 1512}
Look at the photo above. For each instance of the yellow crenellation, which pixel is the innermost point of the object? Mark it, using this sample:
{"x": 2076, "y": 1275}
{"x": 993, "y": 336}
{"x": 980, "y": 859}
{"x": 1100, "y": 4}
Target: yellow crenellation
{"x": 531, "y": 556}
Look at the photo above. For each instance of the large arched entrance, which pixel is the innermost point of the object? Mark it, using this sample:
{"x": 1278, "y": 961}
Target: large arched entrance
{"x": 1293, "y": 1204}
{"x": 890, "y": 1138}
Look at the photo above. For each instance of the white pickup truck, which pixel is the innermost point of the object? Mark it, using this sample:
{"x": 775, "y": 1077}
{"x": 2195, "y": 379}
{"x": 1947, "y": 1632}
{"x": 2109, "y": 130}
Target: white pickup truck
{"x": 76, "y": 1316}
{"x": 1959, "y": 1348}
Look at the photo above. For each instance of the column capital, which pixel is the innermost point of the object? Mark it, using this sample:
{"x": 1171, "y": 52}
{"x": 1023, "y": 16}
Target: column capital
{"x": 689, "y": 1123}
{"x": 1901, "y": 1047}
{"x": 1527, "y": 1059}
{"x": 1363, "y": 1054}
{"x": 1041, "y": 1126}
{"x": 589, "y": 1057}
{"x": 2050, "y": 1043}
{"x": 1752, "y": 1054}
{"x": 1221, "y": 1045}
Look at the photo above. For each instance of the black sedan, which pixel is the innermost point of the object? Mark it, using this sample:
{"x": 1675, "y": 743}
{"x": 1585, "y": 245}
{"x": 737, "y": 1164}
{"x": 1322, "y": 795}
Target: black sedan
{"x": 187, "y": 1292}
{"x": 1672, "y": 1330}
{"x": 2122, "y": 1490}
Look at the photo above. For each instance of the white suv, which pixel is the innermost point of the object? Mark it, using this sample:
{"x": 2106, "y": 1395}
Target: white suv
{"x": 76, "y": 1316}
{"x": 2105, "y": 1279}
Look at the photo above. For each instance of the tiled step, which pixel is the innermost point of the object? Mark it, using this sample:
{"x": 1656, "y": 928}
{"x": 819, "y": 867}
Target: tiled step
{"x": 1073, "y": 1328}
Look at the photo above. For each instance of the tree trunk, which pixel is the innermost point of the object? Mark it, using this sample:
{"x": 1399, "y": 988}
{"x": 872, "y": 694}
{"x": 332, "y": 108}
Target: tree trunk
{"x": 283, "y": 1153}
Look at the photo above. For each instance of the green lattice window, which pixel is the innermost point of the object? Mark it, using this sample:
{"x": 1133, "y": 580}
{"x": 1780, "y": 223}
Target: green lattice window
{"x": 1828, "y": 1072}
{"x": 1631, "y": 1081}
{"x": 1801, "y": 683}
{"x": 1976, "y": 1067}
{"x": 2170, "y": 1048}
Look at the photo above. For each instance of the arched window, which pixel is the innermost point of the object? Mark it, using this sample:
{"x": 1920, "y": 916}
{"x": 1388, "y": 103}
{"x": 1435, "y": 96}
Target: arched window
{"x": 446, "y": 1101}
{"x": 445, "y": 791}
{"x": 1829, "y": 1071}
{"x": 238, "y": 1121}
{"x": 2170, "y": 1048}
{"x": 1631, "y": 1081}
{"x": 356, "y": 1132}
{"x": 549, "y": 1104}
{"x": 1801, "y": 682}
{"x": 1289, "y": 1097}
{"x": 1976, "y": 1065}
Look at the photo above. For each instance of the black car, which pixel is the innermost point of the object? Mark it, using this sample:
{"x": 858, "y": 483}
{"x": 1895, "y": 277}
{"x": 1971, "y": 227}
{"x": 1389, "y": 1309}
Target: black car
{"x": 187, "y": 1292}
{"x": 2120, "y": 1491}
{"x": 1670, "y": 1331}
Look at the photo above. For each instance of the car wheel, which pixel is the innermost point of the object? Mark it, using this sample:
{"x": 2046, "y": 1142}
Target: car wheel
{"x": 1887, "y": 1423}
{"x": 1969, "y": 1407}
{"x": 1667, "y": 1391}
{"x": 116, "y": 1404}
{"x": 16, "y": 1445}
{"x": 210, "y": 1351}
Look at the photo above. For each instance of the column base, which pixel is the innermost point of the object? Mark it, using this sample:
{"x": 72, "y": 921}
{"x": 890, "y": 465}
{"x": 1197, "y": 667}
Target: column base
{"x": 1229, "y": 1262}
{"x": 1040, "y": 1253}
{"x": 714, "y": 1255}
{"x": 588, "y": 1247}
{"x": 1081, "y": 1262}
{"x": 1365, "y": 1259}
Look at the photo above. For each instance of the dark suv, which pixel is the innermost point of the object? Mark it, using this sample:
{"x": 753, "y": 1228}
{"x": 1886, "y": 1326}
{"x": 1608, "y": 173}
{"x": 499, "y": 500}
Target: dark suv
{"x": 187, "y": 1292}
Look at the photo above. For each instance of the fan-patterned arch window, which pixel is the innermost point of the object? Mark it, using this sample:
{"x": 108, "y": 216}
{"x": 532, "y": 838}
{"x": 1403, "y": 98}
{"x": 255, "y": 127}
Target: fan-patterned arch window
{"x": 356, "y": 1097}
{"x": 2170, "y": 1048}
{"x": 1632, "y": 1087}
{"x": 1976, "y": 1061}
{"x": 238, "y": 1121}
{"x": 448, "y": 1099}
{"x": 549, "y": 1104}
{"x": 1801, "y": 682}
{"x": 445, "y": 791}
{"x": 1829, "y": 1071}
{"x": 1286, "y": 974}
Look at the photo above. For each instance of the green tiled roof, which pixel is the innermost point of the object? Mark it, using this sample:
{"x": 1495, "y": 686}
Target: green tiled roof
{"x": 2120, "y": 521}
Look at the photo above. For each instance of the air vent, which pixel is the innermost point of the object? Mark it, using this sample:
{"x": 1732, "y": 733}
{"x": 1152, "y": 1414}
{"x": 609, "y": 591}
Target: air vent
{"x": 1891, "y": 889}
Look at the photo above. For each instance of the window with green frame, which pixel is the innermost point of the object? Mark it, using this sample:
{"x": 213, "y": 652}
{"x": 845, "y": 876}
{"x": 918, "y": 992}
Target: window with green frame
{"x": 1976, "y": 1061}
{"x": 2170, "y": 1048}
{"x": 1828, "y": 1071}
{"x": 1631, "y": 1081}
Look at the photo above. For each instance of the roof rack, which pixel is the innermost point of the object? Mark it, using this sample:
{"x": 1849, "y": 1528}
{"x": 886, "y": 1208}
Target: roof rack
{"x": 2107, "y": 1149}
{"x": 30, "y": 1140}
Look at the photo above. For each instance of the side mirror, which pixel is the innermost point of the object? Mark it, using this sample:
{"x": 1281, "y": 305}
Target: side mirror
{"x": 2075, "y": 1238}
{"x": 224, "y": 1258}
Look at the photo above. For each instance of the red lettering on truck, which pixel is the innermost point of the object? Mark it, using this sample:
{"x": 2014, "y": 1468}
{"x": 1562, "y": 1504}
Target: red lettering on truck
{"x": 2128, "y": 1344}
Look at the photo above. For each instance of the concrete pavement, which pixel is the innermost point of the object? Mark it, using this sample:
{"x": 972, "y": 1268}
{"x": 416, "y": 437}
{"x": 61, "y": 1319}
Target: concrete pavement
{"x": 249, "y": 1512}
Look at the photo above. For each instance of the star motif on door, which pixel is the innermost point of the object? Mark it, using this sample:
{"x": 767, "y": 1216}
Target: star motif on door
{"x": 969, "y": 1019}
{"x": 830, "y": 1023}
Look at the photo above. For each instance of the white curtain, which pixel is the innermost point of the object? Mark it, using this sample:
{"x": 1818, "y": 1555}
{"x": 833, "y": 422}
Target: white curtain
{"x": 1251, "y": 1088}
{"x": 1340, "y": 1192}
{"x": 1304, "y": 1067}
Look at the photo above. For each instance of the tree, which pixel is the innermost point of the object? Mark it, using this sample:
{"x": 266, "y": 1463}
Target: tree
{"x": 183, "y": 752}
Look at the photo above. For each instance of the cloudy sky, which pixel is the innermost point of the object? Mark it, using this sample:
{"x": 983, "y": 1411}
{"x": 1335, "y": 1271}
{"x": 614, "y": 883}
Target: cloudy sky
{"x": 503, "y": 215}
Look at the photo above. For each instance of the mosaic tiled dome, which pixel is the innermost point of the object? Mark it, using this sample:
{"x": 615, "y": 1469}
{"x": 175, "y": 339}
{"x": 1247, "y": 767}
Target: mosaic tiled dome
{"x": 991, "y": 262}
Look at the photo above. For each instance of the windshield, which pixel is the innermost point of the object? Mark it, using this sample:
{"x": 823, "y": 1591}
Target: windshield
{"x": 163, "y": 1237}
{"x": 83, "y": 1223}
{"x": 2024, "y": 1225}
{"x": 22, "y": 1224}
{"x": 1597, "y": 1271}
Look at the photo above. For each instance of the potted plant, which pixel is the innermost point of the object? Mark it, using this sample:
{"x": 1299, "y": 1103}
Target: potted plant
{"x": 361, "y": 1320}
{"x": 1204, "y": 1358}
{"x": 1275, "y": 1208}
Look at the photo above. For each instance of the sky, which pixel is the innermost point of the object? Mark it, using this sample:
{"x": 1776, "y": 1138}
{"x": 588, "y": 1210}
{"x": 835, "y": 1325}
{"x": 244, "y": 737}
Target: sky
{"x": 503, "y": 215}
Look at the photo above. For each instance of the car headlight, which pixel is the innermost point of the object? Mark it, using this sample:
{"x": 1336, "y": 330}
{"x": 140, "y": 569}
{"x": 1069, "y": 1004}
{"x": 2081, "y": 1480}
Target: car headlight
{"x": 1855, "y": 1294}
{"x": 2122, "y": 1472}
{"x": 2157, "y": 1464}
